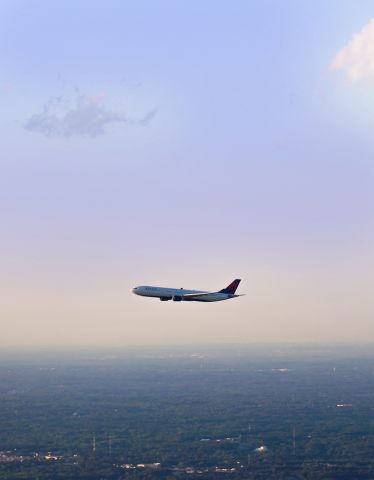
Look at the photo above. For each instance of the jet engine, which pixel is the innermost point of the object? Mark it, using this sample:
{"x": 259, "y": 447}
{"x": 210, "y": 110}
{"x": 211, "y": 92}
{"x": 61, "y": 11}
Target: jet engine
{"x": 177, "y": 298}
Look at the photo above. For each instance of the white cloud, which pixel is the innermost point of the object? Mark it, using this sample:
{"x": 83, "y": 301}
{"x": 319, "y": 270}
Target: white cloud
{"x": 85, "y": 116}
{"x": 356, "y": 59}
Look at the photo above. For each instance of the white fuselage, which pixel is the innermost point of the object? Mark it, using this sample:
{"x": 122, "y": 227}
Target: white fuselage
{"x": 180, "y": 294}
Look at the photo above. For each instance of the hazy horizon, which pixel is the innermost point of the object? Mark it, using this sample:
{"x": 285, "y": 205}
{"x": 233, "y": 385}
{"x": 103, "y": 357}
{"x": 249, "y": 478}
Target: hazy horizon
{"x": 185, "y": 144}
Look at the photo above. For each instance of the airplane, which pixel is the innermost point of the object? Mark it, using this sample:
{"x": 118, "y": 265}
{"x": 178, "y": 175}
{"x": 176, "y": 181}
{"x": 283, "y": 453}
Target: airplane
{"x": 180, "y": 294}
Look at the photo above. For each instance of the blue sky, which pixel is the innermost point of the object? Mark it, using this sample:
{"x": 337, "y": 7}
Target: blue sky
{"x": 184, "y": 144}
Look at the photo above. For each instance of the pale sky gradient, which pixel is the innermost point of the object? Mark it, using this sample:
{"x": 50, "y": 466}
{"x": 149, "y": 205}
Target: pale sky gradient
{"x": 186, "y": 143}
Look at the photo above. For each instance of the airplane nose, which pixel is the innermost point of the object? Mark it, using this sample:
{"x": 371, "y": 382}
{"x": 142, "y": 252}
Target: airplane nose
{"x": 133, "y": 290}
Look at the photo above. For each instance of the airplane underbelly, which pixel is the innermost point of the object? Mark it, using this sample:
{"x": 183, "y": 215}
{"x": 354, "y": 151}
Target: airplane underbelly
{"x": 205, "y": 298}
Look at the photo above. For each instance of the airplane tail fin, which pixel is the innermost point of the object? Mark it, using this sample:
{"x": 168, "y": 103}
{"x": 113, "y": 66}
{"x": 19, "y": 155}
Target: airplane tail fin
{"x": 231, "y": 288}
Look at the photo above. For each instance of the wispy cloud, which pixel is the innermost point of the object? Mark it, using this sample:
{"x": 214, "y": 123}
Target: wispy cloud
{"x": 356, "y": 59}
{"x": 84, "y": 116}
{"x": 146, "y": 120}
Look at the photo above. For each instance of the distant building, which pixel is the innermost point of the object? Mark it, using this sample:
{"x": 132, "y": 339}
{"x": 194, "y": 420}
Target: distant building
{"x": 50, "y": 456}
{"x": 147, "y": 465}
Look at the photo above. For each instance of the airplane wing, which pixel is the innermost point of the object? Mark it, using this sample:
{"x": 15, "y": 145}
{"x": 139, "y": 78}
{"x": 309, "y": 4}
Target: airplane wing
{"x": 192, "y": 295}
